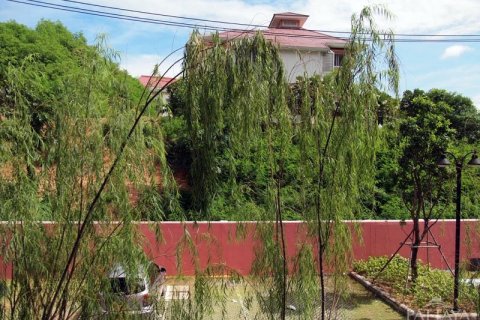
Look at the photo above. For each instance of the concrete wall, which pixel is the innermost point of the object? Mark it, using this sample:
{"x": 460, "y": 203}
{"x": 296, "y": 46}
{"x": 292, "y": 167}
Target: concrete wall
{"x": 217, "y": 243}
{"x": 220, "y": 243}
{"x": 297, "y": 63}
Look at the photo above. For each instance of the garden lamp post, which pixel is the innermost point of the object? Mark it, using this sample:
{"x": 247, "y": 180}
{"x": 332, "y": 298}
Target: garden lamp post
{"x": 442, "y": 163}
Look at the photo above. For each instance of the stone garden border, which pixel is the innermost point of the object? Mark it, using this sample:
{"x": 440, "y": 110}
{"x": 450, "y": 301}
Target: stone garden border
{"x": 403, "y": 309}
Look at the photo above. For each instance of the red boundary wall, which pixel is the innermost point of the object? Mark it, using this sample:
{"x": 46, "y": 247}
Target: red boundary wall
{"x": 217, "y": 243}
{"x": 169, "y": 243}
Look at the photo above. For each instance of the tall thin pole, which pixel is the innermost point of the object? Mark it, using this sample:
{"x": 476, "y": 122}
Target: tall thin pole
{"x": 443, "y": 162}
{"x": 457, "y": 234}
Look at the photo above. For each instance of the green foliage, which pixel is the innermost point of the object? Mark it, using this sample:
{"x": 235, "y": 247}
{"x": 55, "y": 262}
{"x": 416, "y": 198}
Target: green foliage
{"x": 51, "y": 55}
{"x": 424, "y": 134}
{"x": 304, "y": 281}
{"x": 425, "y": 125}
{"x": 220, "y": 119}
{"x": 257, "y": 149}
{"x": 65, "y": 113}
{"x": 395, "y": 274}
{"x": 464, "y": 118}
{"x": 432, "y": 285}
{"x": 304, "y": 151}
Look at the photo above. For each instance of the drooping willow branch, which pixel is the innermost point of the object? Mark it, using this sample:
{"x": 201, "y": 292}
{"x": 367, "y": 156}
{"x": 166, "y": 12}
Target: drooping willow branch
{"x": 82, "y": 226}
{"x": 89, "y": 214}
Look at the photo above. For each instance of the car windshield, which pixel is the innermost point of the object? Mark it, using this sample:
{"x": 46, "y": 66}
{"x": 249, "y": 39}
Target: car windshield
{"x": 120, "y": 285}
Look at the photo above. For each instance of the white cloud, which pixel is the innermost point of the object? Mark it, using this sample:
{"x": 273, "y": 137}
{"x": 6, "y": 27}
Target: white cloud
{"x": 410, "y": 15}
{"x": 476, "y": 101}
{"x": 437, "y": 17}
{"x": 455, "y": 51}
{"x": 143, "y": 64}
{"x": 225, "y": 10}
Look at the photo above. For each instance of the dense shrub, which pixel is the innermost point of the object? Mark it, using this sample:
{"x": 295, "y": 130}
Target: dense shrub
{"x": 432, "y": 286}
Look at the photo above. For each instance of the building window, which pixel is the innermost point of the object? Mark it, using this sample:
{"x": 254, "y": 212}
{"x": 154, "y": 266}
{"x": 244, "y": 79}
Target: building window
{"x": 338, "y": 60}
{"x": 289, "y": 24}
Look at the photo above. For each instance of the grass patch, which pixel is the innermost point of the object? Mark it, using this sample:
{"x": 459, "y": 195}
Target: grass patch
{"x": 239, "y": 303}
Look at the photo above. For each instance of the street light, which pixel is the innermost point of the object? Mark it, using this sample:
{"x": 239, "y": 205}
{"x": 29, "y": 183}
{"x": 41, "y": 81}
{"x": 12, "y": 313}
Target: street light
{"x": 442, "y": 163}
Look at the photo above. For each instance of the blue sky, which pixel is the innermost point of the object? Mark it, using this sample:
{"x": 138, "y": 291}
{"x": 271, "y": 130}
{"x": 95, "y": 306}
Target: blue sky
{"x": 450, "y": 66}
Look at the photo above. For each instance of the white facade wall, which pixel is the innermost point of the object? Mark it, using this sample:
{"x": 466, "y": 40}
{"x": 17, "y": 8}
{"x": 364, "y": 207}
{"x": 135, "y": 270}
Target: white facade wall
{"x": 298, "y": 62}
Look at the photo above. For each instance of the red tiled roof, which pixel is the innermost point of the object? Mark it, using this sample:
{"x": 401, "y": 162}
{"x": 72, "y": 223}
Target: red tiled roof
{"x": 288, "y": 13}
{"x": 291, "y": 38}
{"x": 278, "y": 17}
{"x": 152, "y": 81}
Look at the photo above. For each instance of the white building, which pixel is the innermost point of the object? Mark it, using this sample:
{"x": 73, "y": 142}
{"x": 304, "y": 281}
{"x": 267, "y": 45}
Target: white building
{"x": 302, "y": 50}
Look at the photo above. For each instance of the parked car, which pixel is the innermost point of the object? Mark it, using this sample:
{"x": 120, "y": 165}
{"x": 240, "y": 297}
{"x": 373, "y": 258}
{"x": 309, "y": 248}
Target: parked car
{"x": 132, "y": 295}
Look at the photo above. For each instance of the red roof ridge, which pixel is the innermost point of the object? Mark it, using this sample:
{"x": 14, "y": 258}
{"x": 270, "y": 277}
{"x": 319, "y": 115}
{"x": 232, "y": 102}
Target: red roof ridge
{"x": 291, "y": 38}
{"x": 288, "y": 13}
{"x": 152, "y": 81}
{"x": 294, "y": 20}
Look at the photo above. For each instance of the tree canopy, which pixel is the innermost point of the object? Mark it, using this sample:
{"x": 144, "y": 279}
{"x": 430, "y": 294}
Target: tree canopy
{"x": 50, "y": 56}
{"x": 77, "y": 139}
{"x": 65, "y": 114}
{"x": 426, "y": 125}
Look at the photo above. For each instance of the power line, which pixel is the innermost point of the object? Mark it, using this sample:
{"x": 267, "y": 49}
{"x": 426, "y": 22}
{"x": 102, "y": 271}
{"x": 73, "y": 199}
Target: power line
{"x": 59, "y": 7}
{"x": 252, "y": 25}
{"x": 39, "y": 3}
{"x": 125, "y": 17}
{"x": 164, "y": 15}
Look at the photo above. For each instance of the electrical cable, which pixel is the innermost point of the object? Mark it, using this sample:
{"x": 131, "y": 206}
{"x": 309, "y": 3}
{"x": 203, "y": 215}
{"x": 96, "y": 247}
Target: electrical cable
{"x": 39, "y": 3}
{"x": 54, "y": 6}
{"x": 253, "y": 25}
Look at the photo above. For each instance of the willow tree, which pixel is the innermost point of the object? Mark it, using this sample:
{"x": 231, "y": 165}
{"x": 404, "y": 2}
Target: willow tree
{"x": 238, "y": 102}
{"x": 337, "y": 138}
{"x": 63, "y": 173}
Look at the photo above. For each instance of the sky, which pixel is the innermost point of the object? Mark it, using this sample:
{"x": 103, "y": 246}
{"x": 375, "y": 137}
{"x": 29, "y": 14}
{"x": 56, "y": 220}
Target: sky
{"x": 445, "y": 65}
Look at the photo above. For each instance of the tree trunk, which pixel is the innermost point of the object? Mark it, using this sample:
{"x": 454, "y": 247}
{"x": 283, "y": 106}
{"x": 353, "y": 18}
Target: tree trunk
{"x": 282, "y": 244}
{"x": 415, "y": 243}
{"x": 322, "y": 280}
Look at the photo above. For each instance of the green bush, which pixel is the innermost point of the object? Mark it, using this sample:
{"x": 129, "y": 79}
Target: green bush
{"x": 394, "y": 274}
{"x": 432, "y": 284}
